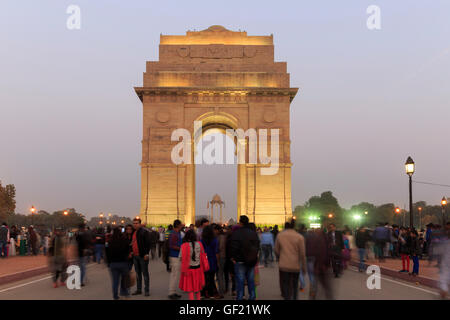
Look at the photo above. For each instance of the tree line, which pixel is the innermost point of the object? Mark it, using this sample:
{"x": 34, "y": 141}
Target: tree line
{"x": 326, "y": 207}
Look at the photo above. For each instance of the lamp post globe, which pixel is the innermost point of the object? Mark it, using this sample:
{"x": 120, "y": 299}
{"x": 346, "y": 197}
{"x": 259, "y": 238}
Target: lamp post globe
{"x": 410, "y": 168}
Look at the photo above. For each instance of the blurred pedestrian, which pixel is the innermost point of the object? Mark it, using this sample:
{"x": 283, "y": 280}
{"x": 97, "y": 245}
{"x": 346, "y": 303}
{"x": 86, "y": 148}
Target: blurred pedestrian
{"x": 335, "y": 245}
{"x": 291, "y": 253}
{"x": 4, "y": 240}
{"x": 222, "y": 240}
{"x": 362, "y": 238}
{"x": 153, "y": 242}
{"x": 211, "y": 245}
{"x": 267, "y": 245}
{"x": 444, "y": 271}
{"x": 84, "y": 244}
{"x": 57, "y": 254}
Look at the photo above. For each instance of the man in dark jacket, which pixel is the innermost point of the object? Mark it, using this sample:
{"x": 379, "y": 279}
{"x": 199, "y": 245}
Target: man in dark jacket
{"x": 140, "y": 245}
{"x": 84, "y": 244}
{"x": 362, "y": 237}
{"x": 381, "y": 235}
{"x": 335, "y": 245}
{"x": 244, "y": 254}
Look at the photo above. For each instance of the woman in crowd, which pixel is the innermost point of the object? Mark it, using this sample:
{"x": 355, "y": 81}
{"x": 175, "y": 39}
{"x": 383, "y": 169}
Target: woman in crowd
{"x": 193, "y": 268}
{"x": 211, "y": 245}
{"x": 117, "y": 254}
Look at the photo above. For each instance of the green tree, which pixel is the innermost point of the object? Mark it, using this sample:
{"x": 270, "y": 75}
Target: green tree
{"x": 323, "y": 206}
{"x": 7, "y": 201}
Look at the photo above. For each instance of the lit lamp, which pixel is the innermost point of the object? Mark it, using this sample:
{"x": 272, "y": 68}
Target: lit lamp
{"x": 366, "y": 212}
{"x": 33, "y": 210}
{"x": 65, "y": 213}
{"x": 420, "y": 217}
{"x": 444, "y": 204}
{"x": 410, "y": 168}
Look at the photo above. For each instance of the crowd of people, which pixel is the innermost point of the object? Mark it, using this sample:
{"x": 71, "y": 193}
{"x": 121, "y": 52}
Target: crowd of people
{"x": 211, "y": 260}
{"x": 22, "y": 241}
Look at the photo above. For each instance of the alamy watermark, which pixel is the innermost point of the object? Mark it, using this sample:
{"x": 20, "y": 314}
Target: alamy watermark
{"x": 257, "y": 143}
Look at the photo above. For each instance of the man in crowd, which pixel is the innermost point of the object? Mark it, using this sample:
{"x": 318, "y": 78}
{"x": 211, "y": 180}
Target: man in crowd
{"x": 381, "y": 235}
{"x": 290, "y": 250}
{"x": 244, "y": 255}
{"x": 153, "y": 242}
{"x": 84, "y": 244}
{"x": 203, "y": 223}
{"x": 267, "y": 245}
{"x": 175, "y": 242}
{"x": 4, "y": 239}
{"x": 140, "y": 245}
{"x": 335, "y": 245}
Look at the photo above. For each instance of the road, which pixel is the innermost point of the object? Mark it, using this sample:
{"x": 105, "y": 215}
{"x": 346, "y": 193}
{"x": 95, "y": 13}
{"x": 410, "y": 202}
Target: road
{"x": 352, "y": 285}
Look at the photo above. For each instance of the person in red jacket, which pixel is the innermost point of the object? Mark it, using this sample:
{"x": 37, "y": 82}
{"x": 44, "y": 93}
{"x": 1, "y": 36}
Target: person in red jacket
{"x": 193, "y": 266}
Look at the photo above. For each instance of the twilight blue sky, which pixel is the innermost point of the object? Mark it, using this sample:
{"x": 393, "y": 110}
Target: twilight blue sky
{"x": 71, "y": 123}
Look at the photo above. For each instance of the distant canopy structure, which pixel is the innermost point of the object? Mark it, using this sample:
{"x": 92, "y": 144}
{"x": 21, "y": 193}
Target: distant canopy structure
{"x": 217, "y": 203}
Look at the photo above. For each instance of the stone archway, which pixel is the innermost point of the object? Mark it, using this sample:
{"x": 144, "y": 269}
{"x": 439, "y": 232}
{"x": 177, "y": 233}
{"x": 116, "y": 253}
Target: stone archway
{"x": 226, "y": 79}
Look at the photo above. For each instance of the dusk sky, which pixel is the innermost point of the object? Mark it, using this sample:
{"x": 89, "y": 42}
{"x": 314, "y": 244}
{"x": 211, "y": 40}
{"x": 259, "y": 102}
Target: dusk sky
{"x": 71, "y": 123}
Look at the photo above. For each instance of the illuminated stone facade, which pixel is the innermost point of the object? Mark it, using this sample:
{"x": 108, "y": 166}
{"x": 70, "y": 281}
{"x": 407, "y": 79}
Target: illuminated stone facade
{"x": 226, "y": 79}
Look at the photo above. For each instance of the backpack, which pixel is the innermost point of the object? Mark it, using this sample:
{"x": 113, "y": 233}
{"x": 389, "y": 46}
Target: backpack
{"x": 250, "y": 251}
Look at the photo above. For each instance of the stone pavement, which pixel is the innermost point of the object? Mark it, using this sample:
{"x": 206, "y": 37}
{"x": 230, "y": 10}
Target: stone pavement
{"x": 15, "y": 268}
{"x": 428, "y": 273}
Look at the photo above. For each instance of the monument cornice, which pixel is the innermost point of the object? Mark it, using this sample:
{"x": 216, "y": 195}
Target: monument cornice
{"x": 244, "y": 91}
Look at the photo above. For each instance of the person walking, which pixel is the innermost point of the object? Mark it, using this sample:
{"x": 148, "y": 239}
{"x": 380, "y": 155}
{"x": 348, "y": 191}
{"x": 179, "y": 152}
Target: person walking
{"x": 57, "y": 254}
{"x": 291, "y": 253}
{"x": 244, "y": 255}
{"x": 83, "y": 240}
{"x": 99, "y": 245}
{"x": 222, "y": 240}
{"x": 161, "y": 238}
{"x": 362, "y": 238}
{"x": 335, "y": 245}
{"x": 33, "y": 240}
{"x": 140, "y": 244}
{"x": 444, "y": 270}
{"x": 318, "y": 248}
{"x": 174, "y": 261}
{"x": 153, "y": 242}
{"x": 211, "y": 245}
{"x": 193, "y": 265}
{"x": 203, "y": 223}
{"x": 267, "y": 245}
{"x": 117, "y": 255}
{"x": 229, "y": 265}
{"x": 380, "y": 236}
{"x": 4, "y": 239}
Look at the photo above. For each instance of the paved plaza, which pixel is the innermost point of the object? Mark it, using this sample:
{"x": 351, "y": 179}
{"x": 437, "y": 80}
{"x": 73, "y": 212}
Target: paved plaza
{"x": 352, "y": 285}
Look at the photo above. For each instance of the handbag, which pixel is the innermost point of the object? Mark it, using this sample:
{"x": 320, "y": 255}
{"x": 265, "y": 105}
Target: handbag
{"x": 204, "y": 259}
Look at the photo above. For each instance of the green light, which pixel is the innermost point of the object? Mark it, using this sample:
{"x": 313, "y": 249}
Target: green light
{"x": 357, "y": 217}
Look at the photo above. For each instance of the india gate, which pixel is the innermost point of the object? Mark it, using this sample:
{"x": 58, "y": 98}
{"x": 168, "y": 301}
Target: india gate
{"x": 227, "y": 80}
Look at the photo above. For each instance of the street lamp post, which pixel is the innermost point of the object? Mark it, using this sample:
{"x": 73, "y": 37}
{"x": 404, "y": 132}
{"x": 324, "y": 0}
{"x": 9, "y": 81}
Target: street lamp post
{"x": 33, "y": 210}
{"x": 64, "y": 219}
{"x": 420, "y": 218}
{"x": 444, "y": 204}
{"x": 410, "y": 168}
